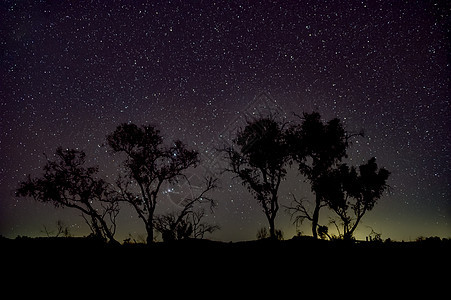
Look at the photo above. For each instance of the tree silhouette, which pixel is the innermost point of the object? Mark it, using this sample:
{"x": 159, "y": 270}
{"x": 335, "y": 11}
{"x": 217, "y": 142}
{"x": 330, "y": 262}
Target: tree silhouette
{"x": 148, "y": 164}
{"x": 67, "y": 183}
{"x": 350, "y": 194}
{"x": 188, "y": 222}
{"x": 260, "y": 163}
{"x": 317, "y": 147}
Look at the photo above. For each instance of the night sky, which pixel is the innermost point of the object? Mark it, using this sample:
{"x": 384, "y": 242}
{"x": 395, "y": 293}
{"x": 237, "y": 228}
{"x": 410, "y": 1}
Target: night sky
{"x": 71, "y": 71}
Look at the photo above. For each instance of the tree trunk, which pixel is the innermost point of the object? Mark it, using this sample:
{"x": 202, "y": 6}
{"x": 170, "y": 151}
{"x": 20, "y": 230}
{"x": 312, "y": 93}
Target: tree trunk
{"x": 149, "y": 221}
{"x": 106, "y": 230}
{"x": 315, "y": 217}
{"x": 272, "y": 230}
{"x": 110, "y": 236}
{"x": 353, "y": 228}
{"x": 96, "y": 229}
{"x": 149, "y": 229}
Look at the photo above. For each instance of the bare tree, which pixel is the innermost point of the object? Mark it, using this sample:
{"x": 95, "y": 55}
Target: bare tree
{"x": 201, "y": 228}
{"x": 67, "y": 183}
{"x": 188, "y": 222}
{"x": 148, "y": 165}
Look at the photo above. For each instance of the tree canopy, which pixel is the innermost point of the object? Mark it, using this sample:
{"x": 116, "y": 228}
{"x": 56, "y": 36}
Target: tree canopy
{"x": 317, "y": 148}
{"x": 66, "y": 182}
{"x": 260, "y": 161}
{"x": 351, "y": 193}
{"x": 148, "y": 164}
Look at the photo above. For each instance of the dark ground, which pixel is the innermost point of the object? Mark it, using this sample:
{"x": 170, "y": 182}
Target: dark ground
{"x": 263, "y": 264}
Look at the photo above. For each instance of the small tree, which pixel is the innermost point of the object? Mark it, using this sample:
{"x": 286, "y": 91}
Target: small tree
{"x": 67, "y": 183}
{"x": 260, "y": 162}
{"x": 188, "y": 222}
{"x": 148, "y": 164}
{"x": 350, "y": 194}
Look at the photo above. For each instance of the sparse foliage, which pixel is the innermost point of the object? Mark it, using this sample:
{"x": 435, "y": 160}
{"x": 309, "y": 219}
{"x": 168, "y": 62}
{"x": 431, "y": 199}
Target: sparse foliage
{"x": 148, "y": 164}
{"x": 66, "y": 182}
{"x": 188, "y": 222}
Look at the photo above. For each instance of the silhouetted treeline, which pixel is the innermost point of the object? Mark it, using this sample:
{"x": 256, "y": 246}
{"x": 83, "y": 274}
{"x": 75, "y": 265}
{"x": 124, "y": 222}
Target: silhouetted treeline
{"x": 149, "y": 165}
{"x": 259, "y": 156}
{"x": 265, "y": 148}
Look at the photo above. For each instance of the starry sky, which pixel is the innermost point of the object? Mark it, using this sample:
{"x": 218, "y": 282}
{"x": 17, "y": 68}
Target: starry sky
{"x": 71, "y": 71}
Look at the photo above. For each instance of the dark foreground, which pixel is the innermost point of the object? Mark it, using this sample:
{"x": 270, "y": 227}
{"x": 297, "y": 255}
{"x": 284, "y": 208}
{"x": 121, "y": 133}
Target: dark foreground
{"x": 83, "y": 261}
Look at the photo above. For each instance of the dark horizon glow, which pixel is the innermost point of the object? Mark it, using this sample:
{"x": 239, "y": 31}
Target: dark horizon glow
{"x": 71, "y": 72}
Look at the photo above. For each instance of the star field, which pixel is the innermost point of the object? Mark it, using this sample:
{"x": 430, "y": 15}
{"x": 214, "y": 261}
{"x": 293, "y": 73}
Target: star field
{"x": 72, "y": 71}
